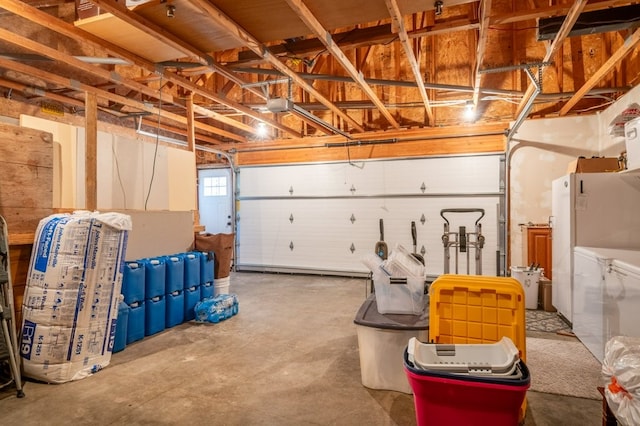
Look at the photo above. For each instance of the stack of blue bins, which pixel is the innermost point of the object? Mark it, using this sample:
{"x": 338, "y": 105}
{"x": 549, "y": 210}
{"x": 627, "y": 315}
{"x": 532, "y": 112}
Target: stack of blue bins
{"x": 174, "y": 290}
{"x": 191, "y": 282}
{"x": 155, "y": 302}
{"x": 133, "y": 290}
{"x": 206, "y": 274}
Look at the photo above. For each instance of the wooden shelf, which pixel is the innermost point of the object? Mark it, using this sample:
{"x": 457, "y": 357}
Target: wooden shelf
{"x": 21, "y": 239}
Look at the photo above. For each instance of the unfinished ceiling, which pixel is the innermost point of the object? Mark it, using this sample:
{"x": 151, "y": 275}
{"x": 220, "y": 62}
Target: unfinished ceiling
{"x": 308, "y": 68}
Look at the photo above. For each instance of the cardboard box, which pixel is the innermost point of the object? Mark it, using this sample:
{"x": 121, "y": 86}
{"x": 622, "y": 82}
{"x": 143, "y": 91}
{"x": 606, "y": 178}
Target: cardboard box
{"x": 544, "y": 295}
{"x": 594, "y": 165}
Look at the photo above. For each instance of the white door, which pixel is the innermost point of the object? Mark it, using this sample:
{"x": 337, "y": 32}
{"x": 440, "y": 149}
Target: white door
{"x": 215, "y": 200}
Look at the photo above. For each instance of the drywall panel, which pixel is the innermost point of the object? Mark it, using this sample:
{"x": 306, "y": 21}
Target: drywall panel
{"x": 64, "y": 158}
{"x": 540, "y": 152}
{"x": 157, "y": 233}
{"x": 182, "y": 180}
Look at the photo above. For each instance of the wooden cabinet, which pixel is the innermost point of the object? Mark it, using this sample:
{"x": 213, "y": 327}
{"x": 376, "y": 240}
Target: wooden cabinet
{"x": 538, "y": 248}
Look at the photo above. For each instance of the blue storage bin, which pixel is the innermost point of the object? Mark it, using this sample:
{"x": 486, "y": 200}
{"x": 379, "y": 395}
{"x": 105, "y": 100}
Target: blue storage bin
{"x": 133, "y": 282}
{"x": 136, "y": 321}
{"x": 122, "y": 323}
{"x": 155, "y": 276}
{"x": 191, "y": 268}
{"x": 206, "y": 290}
{"x": 191, "y": 297}
{"x": 155, "y": 314}
{"x": 207, "y": 267}
{"x": 174, "y": 274}
{"x": 175, "y": 308}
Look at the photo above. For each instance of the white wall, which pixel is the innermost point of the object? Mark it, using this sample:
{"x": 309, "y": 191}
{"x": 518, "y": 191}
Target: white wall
{"x": 132, "y": 174}
{"x": 541, "y": 151}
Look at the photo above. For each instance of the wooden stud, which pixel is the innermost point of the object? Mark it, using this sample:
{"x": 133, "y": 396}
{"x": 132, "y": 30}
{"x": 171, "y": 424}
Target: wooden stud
{"x": 91, "y": 151}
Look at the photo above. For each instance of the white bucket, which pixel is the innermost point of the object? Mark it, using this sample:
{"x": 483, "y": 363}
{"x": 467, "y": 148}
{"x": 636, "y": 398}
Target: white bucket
{"x": 530, "y": 280}
{"x": 221, "y": 286}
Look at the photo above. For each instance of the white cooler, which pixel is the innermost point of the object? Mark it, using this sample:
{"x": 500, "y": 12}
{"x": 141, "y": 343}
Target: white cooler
{"x": 382, "y": 339}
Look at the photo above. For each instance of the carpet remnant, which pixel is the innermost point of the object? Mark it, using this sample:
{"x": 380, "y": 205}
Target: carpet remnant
{"x": 544, "y": 321}
{"x": 563, "y": 367}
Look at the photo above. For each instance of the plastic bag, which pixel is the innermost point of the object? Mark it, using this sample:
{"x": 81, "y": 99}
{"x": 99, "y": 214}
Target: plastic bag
{"x": 621, "y": 372}
{"x": 616, "y": 127}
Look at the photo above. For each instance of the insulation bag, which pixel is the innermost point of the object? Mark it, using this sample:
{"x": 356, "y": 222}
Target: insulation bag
{"x": 70, "y": 306}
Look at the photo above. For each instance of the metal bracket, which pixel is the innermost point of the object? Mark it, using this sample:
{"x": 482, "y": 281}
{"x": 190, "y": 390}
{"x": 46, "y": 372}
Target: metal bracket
{"x": 352, "y": 218}
{"x": 291, "y": 190}
{"x": 423, "y": 219}
{"x": 353, "y": 189}
{"x": 423, "y": 187}
{"x": 291, "y": 218}
{"x": 291, "y": 246}
{"x": 352, "y": 248}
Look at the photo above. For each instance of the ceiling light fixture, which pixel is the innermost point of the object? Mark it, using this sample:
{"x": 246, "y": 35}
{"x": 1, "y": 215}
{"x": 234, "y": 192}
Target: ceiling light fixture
{"x": 438, "y": 5}
{"x": 469, "y": 111}
{"x": 262, "y": 131}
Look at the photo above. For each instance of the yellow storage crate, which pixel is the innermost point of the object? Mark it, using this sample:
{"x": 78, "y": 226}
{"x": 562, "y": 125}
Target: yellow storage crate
{"x": 477, "y": 309}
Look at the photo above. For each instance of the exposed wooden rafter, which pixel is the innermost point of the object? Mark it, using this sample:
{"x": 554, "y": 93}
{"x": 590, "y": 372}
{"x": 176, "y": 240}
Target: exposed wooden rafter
{"x": 398, "y": 20}
{"x": 629, "y": 43}
{"x": 252, "y": 43}
{"x": 323, "y": 35}
{"x": 566, "y": 27}
{"x": 485, "y": 8}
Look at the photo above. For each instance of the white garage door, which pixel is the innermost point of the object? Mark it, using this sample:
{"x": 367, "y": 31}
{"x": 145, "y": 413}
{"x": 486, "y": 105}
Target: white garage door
{"x": 324, "y": 218}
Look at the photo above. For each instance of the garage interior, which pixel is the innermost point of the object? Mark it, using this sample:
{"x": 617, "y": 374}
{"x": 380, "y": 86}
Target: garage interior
{"x": 322, "y": 127}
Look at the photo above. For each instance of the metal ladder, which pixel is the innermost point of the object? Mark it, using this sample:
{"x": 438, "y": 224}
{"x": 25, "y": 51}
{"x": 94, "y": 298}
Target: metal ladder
{"x": 8, "y": 338}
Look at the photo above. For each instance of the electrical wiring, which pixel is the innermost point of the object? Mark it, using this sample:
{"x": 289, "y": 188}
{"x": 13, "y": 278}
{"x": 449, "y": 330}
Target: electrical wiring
{"x": 155, "y": 153}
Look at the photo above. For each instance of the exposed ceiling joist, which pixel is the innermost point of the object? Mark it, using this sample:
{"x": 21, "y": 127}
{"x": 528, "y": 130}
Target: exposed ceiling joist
{"x": 76, "y": 85}
{"x": 485, "y": 7}
{"x": 252, "y": 43}
{"x": 629, "y": 43}
{"x": 314, "y": 25}
{"x": 139, "y": 22}
{"x": 549, "y": 11}
{"x": 398, "y": 20}
{"x": 571, "y": 18}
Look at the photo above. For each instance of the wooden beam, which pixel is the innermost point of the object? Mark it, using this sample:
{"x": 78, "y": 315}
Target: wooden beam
{"x": 567, "y": 24}
{"x": 485, "y": 8}
{"x": 91, "y": 151}
{"x": 75, "y": 85}
{"x": 38, "y": 92}
{"x": 398, "y": 21}
{"x": 252, "y": 43}
{"x": 318, "y": 29}
{"x": 629, "y": 44}
{"x": 551, "y": 11}
{"x": 93, "y": 70}
{"x": 191, "y": 134}
{"x": 352, "y": 39}
{"x": 121, "y": 12}
{"x": 55, "y": 24}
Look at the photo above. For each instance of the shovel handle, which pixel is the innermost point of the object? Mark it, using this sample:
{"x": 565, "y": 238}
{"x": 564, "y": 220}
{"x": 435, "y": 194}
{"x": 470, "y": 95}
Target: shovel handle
{"x": 414, "y": 233}
{"x": 381, "y": 230}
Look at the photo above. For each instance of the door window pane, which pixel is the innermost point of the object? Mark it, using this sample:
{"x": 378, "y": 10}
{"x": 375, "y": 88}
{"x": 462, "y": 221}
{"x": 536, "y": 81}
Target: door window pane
{"x": 215, "y": 186}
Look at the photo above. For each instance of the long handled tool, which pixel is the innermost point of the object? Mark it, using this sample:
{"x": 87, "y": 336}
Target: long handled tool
{"x": 381, "y": 247}
{"x": 8, "y": 338}
{"x": 414, "y": 236}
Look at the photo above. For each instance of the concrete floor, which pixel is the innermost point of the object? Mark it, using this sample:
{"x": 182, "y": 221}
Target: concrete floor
{"x": 290, "y": 357}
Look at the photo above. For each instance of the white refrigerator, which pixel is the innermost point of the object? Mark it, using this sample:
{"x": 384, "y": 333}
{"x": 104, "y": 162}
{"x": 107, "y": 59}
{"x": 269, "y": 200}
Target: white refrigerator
{"x": 593, "y": 210}
{"x": 606, "y": 296}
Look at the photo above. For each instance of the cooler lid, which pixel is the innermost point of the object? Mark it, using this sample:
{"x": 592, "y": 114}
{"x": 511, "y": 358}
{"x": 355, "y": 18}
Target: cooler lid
{"x": 369, "y": 316}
